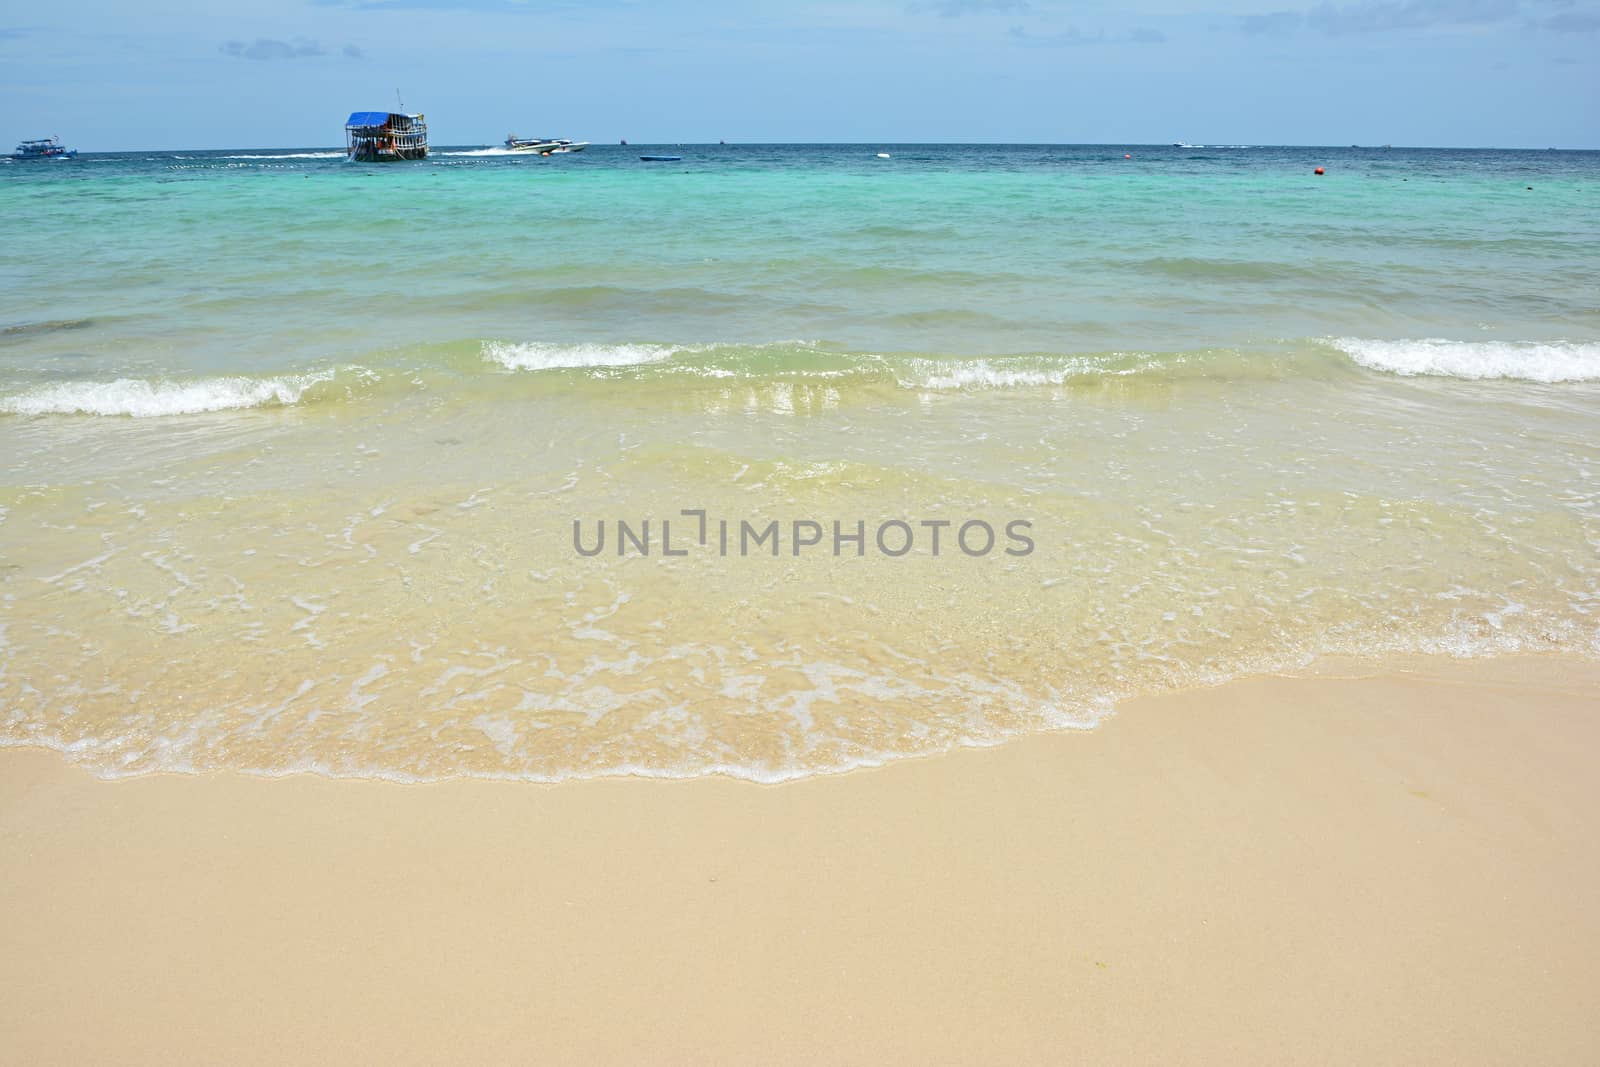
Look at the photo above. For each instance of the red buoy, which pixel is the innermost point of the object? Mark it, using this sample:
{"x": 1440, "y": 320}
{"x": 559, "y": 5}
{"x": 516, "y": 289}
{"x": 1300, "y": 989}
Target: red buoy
{"x": 1127, "y": 156}
{"x": 1319, "y": 170}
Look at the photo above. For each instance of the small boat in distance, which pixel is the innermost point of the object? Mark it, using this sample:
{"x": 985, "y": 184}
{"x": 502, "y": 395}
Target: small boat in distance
{"x": 385, "y": 137}
{"x": 544, "y": 146}
{"x": 661, "y": 159}
{"x": 45, "y": 148}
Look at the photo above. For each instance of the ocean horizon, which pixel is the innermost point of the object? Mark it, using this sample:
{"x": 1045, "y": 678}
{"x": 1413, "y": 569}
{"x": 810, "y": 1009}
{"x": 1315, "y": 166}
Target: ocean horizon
{"x": 498, "y": 142}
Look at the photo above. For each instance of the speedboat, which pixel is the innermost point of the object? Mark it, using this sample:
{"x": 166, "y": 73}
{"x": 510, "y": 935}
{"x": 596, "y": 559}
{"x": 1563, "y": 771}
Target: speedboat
{"x": 531, "y": 144}
{"x": 46, "y": 148}
{"x": 544, "y": 146}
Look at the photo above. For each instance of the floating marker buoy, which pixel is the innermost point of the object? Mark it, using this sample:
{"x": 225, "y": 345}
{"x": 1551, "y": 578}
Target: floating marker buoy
{"x": 1126, "y": 156}
{"x": 1317, "y": 171}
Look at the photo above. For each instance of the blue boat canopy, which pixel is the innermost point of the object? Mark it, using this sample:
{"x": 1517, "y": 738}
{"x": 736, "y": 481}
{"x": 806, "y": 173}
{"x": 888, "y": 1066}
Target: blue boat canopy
{"x": 368, "y": 118}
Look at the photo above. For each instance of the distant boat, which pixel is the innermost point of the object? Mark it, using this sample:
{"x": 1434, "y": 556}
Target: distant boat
{"x": 385, "y": 137}
{"x": 1186, "y": 144}
{"x": 47, "y": 148}
{"x": 544, "y": 146}
{"x": 661, "y": 159}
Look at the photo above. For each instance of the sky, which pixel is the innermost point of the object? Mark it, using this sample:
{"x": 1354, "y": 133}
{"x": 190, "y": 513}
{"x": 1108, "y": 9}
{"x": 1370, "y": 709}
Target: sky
{"x": 113, "y": 75}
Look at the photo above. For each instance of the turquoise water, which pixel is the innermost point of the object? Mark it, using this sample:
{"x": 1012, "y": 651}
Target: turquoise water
{"x": 251, "y": 262}
{"x": 291, "y": 449}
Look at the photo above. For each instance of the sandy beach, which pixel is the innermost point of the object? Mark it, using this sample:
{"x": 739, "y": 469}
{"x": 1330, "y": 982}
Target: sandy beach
{"x": 1348, "y": 866}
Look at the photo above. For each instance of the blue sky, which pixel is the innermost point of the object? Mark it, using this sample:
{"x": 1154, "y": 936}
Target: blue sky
{"x": 113, "y": 74}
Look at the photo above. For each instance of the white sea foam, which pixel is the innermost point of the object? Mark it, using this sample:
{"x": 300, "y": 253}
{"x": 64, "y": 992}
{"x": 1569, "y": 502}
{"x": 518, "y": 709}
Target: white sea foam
{"x": 985, "y": 375}
{"x": 988, "y": 374}
{"x": 1560, "y": 361}
{"x": 144, "y": 399}
{"x": 540, "y": 355}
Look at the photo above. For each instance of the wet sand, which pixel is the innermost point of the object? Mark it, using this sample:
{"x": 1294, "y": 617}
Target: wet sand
{"x": 1392, "y": 866}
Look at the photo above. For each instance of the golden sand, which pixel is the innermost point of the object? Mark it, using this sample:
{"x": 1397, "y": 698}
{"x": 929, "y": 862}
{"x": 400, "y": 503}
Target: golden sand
{"x": 1395, "y": 867}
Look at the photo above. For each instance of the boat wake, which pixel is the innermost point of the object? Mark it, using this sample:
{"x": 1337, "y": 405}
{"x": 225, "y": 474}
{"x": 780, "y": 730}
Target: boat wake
{"x": 287, "y": 155}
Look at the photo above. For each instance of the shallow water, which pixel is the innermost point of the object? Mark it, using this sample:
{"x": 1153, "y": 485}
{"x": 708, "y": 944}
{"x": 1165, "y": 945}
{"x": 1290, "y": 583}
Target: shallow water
{"x": 291, "y": 450}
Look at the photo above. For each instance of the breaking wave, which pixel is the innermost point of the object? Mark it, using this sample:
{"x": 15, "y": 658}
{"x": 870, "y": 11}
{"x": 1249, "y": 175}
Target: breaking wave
{"x": 812, "y": 360}
{"x": 454, "y": 365}
{"x": 541, "y": 355}
{"x": 1560, "y": 361}
{"x": 138, "y": 398}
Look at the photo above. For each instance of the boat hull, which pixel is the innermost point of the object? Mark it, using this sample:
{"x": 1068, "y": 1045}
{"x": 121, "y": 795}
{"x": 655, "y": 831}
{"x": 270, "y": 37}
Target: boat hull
{"x": 389, "y": 155}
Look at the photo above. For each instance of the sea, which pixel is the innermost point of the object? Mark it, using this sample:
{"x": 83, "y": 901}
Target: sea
{"x": 774, "y": 461}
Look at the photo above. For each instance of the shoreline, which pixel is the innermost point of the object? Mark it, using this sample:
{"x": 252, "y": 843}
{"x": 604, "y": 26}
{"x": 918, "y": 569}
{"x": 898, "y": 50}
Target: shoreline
{"x": 1337, "y": 667}
{"x": 1393, "y": 865}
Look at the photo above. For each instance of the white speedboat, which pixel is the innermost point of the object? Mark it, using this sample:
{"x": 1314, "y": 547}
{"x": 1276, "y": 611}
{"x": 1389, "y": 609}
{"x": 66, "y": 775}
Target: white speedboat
{"x": 544, "y": 146}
